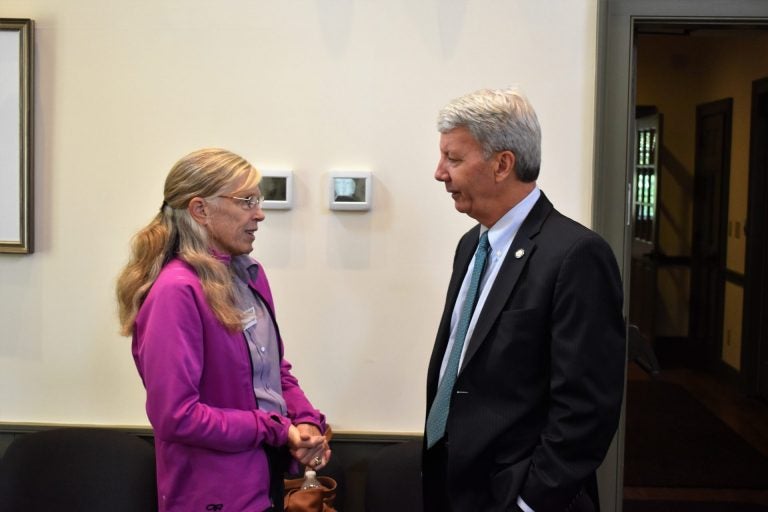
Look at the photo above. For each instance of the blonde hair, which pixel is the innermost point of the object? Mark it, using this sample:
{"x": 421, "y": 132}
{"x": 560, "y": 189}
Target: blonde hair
{"x": 173, "y": 232}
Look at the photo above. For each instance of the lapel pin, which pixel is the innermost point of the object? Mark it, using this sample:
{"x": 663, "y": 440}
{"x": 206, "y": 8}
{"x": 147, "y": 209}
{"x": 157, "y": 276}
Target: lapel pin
{"x": 519, "y": 253}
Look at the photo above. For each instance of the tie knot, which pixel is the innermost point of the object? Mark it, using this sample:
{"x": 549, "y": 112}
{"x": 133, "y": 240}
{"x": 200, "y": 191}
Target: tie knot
{"x": 483, "y": 245}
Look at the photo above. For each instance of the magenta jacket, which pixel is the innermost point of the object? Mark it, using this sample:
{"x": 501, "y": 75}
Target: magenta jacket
{"x": 209, "y": 432}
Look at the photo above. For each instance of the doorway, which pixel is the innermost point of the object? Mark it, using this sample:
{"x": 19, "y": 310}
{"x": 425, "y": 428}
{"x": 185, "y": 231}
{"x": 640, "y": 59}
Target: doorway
{"x": 691, "y": 76}
{"x": 618, "y": 96}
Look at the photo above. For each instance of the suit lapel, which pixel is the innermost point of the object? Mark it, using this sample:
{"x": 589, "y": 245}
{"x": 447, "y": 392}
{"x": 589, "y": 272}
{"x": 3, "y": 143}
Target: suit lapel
{"x": 521, "y": 250}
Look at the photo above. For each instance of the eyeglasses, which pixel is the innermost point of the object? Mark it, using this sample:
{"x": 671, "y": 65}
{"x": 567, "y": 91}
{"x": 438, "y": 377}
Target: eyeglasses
{"x": 248, "y": 202}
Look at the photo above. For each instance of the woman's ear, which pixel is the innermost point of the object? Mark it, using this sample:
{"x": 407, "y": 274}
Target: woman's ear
{"x": 199, "y": 210}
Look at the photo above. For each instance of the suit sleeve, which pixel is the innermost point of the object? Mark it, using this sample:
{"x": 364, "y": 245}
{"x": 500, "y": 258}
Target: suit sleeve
{"x": 587, "y": 361}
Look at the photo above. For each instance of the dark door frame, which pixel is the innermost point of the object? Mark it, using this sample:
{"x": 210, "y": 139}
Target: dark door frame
{"x": 755, "y": 324}
{"x": 614, "y": 115}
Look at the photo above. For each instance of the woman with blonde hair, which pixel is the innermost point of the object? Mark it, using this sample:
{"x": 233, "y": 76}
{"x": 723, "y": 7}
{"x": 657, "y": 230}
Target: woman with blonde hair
{"x": 226, "y": 411}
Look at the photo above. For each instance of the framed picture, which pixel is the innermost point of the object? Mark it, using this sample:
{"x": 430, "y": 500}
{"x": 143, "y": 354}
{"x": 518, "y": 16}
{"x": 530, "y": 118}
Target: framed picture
{"x": 277, "y": 188}
{"x": 350, "y": 190}
{"x": 16, "y": 207}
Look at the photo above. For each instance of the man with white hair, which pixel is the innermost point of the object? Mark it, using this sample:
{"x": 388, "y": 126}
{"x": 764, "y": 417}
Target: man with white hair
{"x": 525, "y": 382}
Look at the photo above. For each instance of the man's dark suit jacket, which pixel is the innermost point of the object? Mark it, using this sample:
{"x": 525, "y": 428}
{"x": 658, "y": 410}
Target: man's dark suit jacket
{"x": 538, "y": 395}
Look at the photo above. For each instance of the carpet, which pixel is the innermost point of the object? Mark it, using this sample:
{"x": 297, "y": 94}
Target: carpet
{"x": 672, "y": 440}
{"x": 691, "y": 506}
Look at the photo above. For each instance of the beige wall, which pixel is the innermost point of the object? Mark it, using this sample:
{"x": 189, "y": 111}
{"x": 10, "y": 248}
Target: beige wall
{"x": 123, "y": 89}
{"x": 675, "y": 74}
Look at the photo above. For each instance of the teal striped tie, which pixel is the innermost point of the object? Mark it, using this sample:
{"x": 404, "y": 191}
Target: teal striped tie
{"x": 438, "y": 414}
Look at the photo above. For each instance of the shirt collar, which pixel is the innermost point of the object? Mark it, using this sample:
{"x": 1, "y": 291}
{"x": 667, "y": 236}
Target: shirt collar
{"x": 244, "y": 266}
{"x": 505, "y": 229}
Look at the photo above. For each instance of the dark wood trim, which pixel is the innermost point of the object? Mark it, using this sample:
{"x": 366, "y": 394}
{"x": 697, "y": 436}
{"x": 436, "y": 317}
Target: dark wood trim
{"x": 733, "y": 277}
{"x": 664, "y": 260}
{"x": 374, "y": 437}
{"x": 343, "y": 437}
{"x": 28, "y": 428}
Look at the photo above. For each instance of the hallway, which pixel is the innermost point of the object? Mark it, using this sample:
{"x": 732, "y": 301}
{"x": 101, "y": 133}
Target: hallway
{"x": 745, "y": 416}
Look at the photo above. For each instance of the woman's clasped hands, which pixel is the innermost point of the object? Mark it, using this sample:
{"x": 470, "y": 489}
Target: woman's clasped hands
{"x": 308, "y": 445}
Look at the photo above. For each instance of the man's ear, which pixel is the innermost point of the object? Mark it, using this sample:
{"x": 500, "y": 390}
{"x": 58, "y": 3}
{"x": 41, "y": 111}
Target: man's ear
{"x": 506, "y": 166}
{"x": 199, "y": 210}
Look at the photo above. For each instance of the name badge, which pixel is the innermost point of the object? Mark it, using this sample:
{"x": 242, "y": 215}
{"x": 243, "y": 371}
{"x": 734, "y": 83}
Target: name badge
{"x": 249, "y": 318}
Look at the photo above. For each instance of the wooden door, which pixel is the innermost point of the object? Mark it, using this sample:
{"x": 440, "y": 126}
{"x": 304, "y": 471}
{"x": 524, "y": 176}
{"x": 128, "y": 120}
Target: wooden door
{"x": 710, "y": 218}
{"x": 755, "y": 327}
